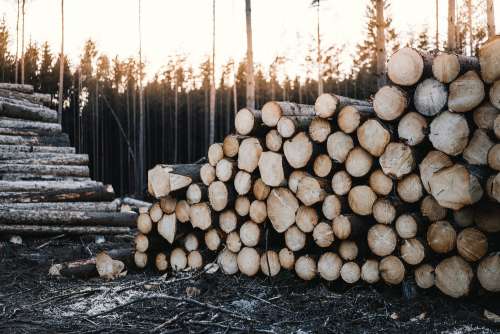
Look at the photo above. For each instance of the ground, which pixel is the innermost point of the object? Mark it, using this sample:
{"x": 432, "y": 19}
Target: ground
{"x": 196, "y": 302}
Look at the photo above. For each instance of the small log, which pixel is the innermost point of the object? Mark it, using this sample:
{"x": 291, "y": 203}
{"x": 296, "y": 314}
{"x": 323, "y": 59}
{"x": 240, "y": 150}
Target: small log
{"x": 242, "y": 182}
{"x": 155, "y": 212}
{"x": 274, "y": 141}
{"x": 348, "y": 250}
{"x": 249, "y": 154}
{"x": 495, "y": 94}
{"x": 272, "y": 111}
{"x": 492, "y": 187}
{"x": 358, "y": 162}
{"x": 167, "y": 227}
{"x": 412, "y": 129}
{"x": 494, "y": 157}
{"x": 406, "y": 66}
{"x": 373, "y": 137}
{"x": 397, "y": 160}
{"x": 55, "y": 230}
{"x": 351, "y": 117}
{"x": 447, "y": 66}
{"x": 484, "y": 115}
{"x": 200, "y": 216}
{"x": 412, "y": 251}
{"x": 164, "y": 179}
{"x": 410, "y": 189}
{"x": 441, "y": 237}
{"x": 233, "y": 242}
{"x": 341, "y": 183}
{"x": 489, "y": 59}
{"x": 28, "y": 112}
{"x": 35, "y": 149}
{"x": 361, "y": 200}
{"x": 433, "y": 162}
{"x": 248, "y": 261}
{"x": 242, "y": 206}
{"x": 271, "y": 169}
{"x": 228, "y": 221}
{"x": 472, "y": 244}
{"x": 319, "y": 129}
{"x": 215, "y": 154}
{"x": 348, "y": 226}
{"x": 287, "y": 258}
{"x": 247, "y": 121}
{"x": 305, "y": 267}
{"x": 306, "y": 218}
{"x": 384, "y": 212}
{"x": 178, "y": 259}
{"x": 168, "y": 204}
{"x": 231, "y": 145}
{"x": 270, "y": 263}
{"x": 332, "y": 207}
{"x": 329, "y": 265}
{"x": 380, "y": 183}
{"x": 228, "y": 262}
{"x": 286, "y": 127}
{"x": 140, "y": 260}
{"x": 430, "y": 97}
{"x": 327, "y": 105}
{"x": 298, "y": 150}
{"x": 382, "y": 239}
{"x": 144, "y": 223}
{"x": 392, "y": 270}
{"x": 191, "y": 242}
{"x": 141, "y": 243}
{"x": 488, "y": 272}
{"x": 260, "y": 190}
{"x": 207, "y": 174}
{"x": 390, "y": 103}
{"x": 454, "y": 277}
{"x": 61, "y": 139}
{"x": 212, "y": 239}
{"x": 323, "y": 235}
{"x": 370, "y": 272}
{"x": 350, "y": 272}
{"x": 249, "y": 234}
{"x": 196, "y": 193}
{"x": 311, "y": 190}
{"x": 406, "y": 226}
{"x": 431, "y": 209}
{"x": 218, "y": 195}
{"x": 194, "y": 260}
{"x": 226, "y": 169}
{"x": 466, "y": 92}
{"x": 338, "y": 146}
{"x": 258, "y": 211}
{"x": 295, "y": 239}
{"x": 424, "y": 276}
{"x": 295, "y": 178}
{"x": 476, "y": 152}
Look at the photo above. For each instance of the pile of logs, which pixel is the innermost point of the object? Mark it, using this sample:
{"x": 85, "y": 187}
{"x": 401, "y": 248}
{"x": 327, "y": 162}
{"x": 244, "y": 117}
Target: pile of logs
{"x": 404, "y": 187}
{"x": 45, "y": 186}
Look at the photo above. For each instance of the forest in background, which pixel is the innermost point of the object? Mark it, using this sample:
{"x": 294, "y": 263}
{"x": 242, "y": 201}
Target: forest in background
{"x": 102, "y": 97}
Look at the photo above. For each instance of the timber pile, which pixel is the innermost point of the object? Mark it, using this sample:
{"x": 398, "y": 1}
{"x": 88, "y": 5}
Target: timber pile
{"x": 45, "y": 186}
{"x": 406, "y": 187}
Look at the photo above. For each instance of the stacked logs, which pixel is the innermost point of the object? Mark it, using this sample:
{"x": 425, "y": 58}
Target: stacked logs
{"x": 407, "y": 186}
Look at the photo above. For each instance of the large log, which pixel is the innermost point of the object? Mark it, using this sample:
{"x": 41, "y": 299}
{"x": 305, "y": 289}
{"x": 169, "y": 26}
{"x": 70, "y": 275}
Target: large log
{"x": 382, "y": 239}
{"x": 15, "y": 96}
{"x": 407, "y": 66}
{"x": 63, "y": 206}
{"x": 454, "y": 277}
{"x": 327, "y": 104}
{"x": 430, "y": 97}
{"x": 60, "y": 139}
{"x": 273, "y": 110}
{"x": 298, "y": 150}
{"x": 249, "y": 154}
{"x": 397, "y": 160}
{"x": 29, "y": 112}
{"x": 36, "y": 149}
{"x": 311, "y": 190}
{"x": 447, "y": 66}
{"x": 271, "y": 169}
{"x": 338, "y": 146}
{"x": 55, "y": 170}
{"x": 433, "y": 162}
{"x": 22, "y": 88}
{"x": 39, "y": 127}
{"x": 281, "y": 208}
{"x": 56, "y": 230}
{"x": 373, "y": 137}
{"x": 489, "y": 58}
{"x": 390, "y": 102}
{"x": 466, "y": 92}
{"x": 43, "y": 158}
{"x": 164, "y": 179}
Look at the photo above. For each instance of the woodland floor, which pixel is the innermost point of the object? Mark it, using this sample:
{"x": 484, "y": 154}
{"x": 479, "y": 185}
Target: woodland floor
{"x": 31, "y": 301}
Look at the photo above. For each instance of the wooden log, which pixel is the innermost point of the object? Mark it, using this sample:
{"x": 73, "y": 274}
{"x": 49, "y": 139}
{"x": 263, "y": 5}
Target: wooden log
{"x": 22, "y": 88}
{"x": 319, "y": 129}
{"x": 38, "y": 177}
{"x": 441, "y": 237}
{"x": 207, "y": 174}
{"x": 305, "y": 267}
{"x": 52, "y": 170}
{"x": 329, "y": 265}
{"x": 390, "y": 103}
{"x": 260, "y": 190}
{"x": 270, "y": 263}
{"x": 332, "y": 207}
{"x": 144, "y": 223}
{"x": 350, "y": 272}
{"x": 63, "y": 206}
{"x": 492, "y": 187}
{"x": 380, "y": 183}
{"x": 489, "y": 60}
{"x": 194, "y": 260}
{"x": 447, "y": 66}
{"x": 196, "y": 193}
{"x": 271, "y": 169}
{"x": 351, "y": 117}
{"x": 433, "y": 162}
{"x": 373, "y": 137}
{"x": 272, "y": 111}
{"x": 56, "y": 230}
{"x": 494, "y": 157}
{"x": 455, "y": 187}
{"x": 233, "y": 242}
{"x": 382, "y": 239}
{"x": 164, "y": 179}
{"x": 191, "y": 242}
{"x": 28, "y": 112}
{"x": 167, "y": 227}
{"x": 431, "y": 210}
{"x": 369, "y": 271}
{"x": 258, "y": 211}
{"x": 496, "y": 127}
{"x": 248, "y": 261}
{"x": 454, "y": 277}
{"x": 311, "y": 190}
{"x": 488, "y": 272}
{"x": 249, "y": 154}
{"x": 218, "y": 195}
{"x": 323, "y": 235}
{"x": 306, "y": 218}
{"x": 412, "y": 251}
{"x": 44, "y": 159}
{"x": 407, "y": 66}
{"x": 242, "y": 206}
{"x": 397, "y": 160}
{"x": 141, "y": 243}
{"x": 359, "y": 162}
{"x": 231, "y": 145}
{"x": 348, "y": 226}
{"x": 287, "y": 258}
{"x": 61, "y": 139}
{"x": 215, "y": 154}
{"x": 412, "y": 129}
{"x": 35, "y": 149}
{"x": 466, "y": 92}
{"x": 295, "y": 178}
{"x": 430, "y": 97}
{"x": 228, "y": 221}
{"x": 384, "y": 212}
{"x": 140, "y": 260}
{"x": 242, "y": 182}
{"x": 178, "y": 259}
{"x": 424, "y": 276}
{"x": 476, "y": 152}
{"x": 348, "y": 250}
{"x": 212, "y": 239}
{"x": 361, "y": 199}
{"x": 228, "y": 262}
{"x": 161, "y": 262}
{"x": 484, "y": 115}
{"x": 200, "y": 216}
{"x": 392, "y": 270}
{"x": 298, "y": 150}
{"x": 33, "y": 126}
{"x": 494, "y": 94}
{"x": 295, "y": 239}
{"x": 247, "y": 121}
{"x": 288, "y": 125}
{"x": 327, "y": 105}
{"x": 274, "y": 141}
{"x": 410, "y": 189}
{"x": 168, "y": 204}
{"x": 226, "y": 169}
{"x": 341, "y": 183}
{"x": 472, "y": 244}
{"x": 338, "y": 146}
{"x": 406, "y": 226}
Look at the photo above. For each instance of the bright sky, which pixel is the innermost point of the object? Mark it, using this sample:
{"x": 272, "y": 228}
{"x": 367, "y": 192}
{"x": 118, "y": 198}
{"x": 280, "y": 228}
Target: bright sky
{"x": 280, "y": 27}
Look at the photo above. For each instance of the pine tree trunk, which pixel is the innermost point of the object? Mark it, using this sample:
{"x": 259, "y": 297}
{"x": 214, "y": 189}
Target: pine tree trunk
{"x": 250, "y": 73}
{"x": 490, "y": 14}
{"x": 452, "y": 38}
{"x": 381, "y": 52}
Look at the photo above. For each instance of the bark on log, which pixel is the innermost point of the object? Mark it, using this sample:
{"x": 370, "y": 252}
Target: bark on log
{"x": 247, "y": 121}
{"x": 407, "y": 66}
{"x": 33, "y": 126}
{"x": 55, "y": 230}
{"x": 273, "y": 110}
{"x": 61, "y": 139}
{"x": 22, "y": 88}
{"x": 281, "y": 208}
{"x": 63, "y": 206}
{"x": 53, "y": 170}
{"x": 164, "y": 179}
{"x": 373, "y": 137}
{"x": 36, "y": 149}
{"x": 350, "y": 117}
{"x": 447, "y": 66}
{"x": 298, "y": 150}
{"x": 28, "y": 112}
{"x": 390, "y": 102}
{"x": 489, "y": 58}
{"x": 327, "y": 105}
{"x": 397, "y": 160}
{"x": 44, "y": 158}
{"x": 454, "y": 277}
{"x": 466, "y": 92}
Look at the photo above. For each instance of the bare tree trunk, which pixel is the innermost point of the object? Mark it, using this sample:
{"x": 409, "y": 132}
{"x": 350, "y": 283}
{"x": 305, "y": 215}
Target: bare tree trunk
{"x": 17, "y": 44}
{"x": 176, "y": 119}
{"x": 469, "y": 25}
{"x": 212, "y": 81}
{"x": 452, "y": 39}
{"x": 381, "y": 52}
{"x": 437, "y": 24}
{"x": 250, "y": 74}
{"x": 320, "y": 76}
{"x": 61, "y": 67}
{"x": 141, "y": 155}
{"x": 490, "y": 14}
{"x": 22, "y": 46}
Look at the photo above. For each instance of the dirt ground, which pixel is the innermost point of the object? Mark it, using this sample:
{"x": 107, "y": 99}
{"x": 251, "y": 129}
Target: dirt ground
{"x": 197, "y": 302}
